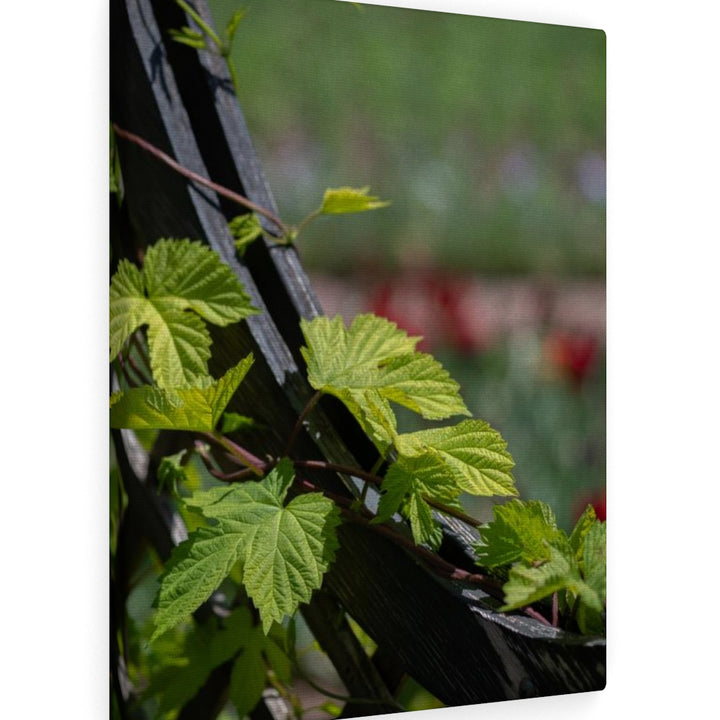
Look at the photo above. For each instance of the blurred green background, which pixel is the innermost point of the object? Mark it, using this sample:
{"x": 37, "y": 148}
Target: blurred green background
{"x": 488, "y": 138}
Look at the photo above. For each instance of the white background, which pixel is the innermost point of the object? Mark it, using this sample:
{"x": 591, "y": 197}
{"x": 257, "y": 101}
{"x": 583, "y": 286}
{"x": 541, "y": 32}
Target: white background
{"x": 663, "y": 164}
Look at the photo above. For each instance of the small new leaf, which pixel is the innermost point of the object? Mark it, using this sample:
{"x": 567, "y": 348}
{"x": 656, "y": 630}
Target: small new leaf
{"x": 232, "y": 26}
{"x": 404, "y": 489}
{"x": 187, "y": 36}
{"x": 181, "y": 285}
{"x": 246, "y": 229}
{"x": 473, "y": 453}
{"x": 171, "y": 471}
{"x": 349, "y": 200}
{"x": 196, "y": 408}
{"x": 543, "y": 560}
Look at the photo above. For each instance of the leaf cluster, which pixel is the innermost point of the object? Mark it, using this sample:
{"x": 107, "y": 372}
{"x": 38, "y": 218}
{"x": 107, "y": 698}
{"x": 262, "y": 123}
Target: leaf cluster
{"x": 279, "y": 546}
{"x": 524, "y": 544}
{"x": 372, "y": 364}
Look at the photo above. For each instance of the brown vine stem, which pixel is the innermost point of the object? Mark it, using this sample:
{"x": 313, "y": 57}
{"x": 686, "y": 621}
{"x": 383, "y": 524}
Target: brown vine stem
{"x": 377, "y": 481}
{"x": 238, "y": 453}
{"x": 200, "y": 180}
{"x": 333, "y": 467}
{"x": 312, "y": 402}
{"x": 442, "y": 567}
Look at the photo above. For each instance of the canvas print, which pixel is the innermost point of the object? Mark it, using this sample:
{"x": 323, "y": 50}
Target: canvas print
{"x": 357, "y": 354}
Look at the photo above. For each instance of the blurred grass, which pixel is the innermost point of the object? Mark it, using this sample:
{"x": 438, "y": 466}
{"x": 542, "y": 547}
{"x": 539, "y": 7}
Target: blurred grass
{"x": 488, "y": 136}
{"x": 555, "y": 430}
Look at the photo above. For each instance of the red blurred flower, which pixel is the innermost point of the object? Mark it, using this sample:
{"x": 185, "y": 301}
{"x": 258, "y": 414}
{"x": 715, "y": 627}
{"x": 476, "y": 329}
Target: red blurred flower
{"x": 427, "y": 303}
{"x": 573, "y": 354}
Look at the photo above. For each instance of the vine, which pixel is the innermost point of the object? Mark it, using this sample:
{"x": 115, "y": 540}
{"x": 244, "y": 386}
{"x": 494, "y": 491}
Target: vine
{"x": 271, "y": 530}
{"x": 275, "y": 525}
{"x": 265, "y": 527}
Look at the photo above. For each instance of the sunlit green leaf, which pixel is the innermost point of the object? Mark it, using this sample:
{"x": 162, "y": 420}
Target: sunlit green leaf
{"x": 182, "y": 284}
{"x": 284, "y": 551}
{"x": 198, "y": 408}
{"x": 474, "y": 452}
{"x": 373, "y": 362}
{"x": 195, "y": 569}
{"x": 583, "y": 525}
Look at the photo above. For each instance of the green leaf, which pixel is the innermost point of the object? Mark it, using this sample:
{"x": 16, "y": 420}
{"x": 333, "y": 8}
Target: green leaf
{"x": 371, "y": 363}
{"x": 288, "y": 556}
{"x": 198, "y": 408}
{"x": 246, "y": 229}
{"x": 233, "y": 422}
{"x": 349, "y": 200}
{"x": 248, "y": 676}
{"x": 424, "y": 528}
{"x": 204, "y": 648}
{"x": 404, "y": 487}
{"x": 341, "y": 357}
{"x": 472, "y": 451}
{"x": 520, "y": 531}
{"x": 581, "y": 529}
{"x": 171, "y": 471}
{"x": 529, "y": 583}
{"x": 181, "y": 284}
{"x": 195, "y": 569}
{"x": 594, "y": 562}
{"x": 284, "y": 551}
{"x": 590, "y": 612}
{"x": 420, "y": 383}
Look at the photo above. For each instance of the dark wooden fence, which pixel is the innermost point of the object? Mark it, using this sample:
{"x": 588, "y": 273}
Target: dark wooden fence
{"x": 442, "y": 633}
